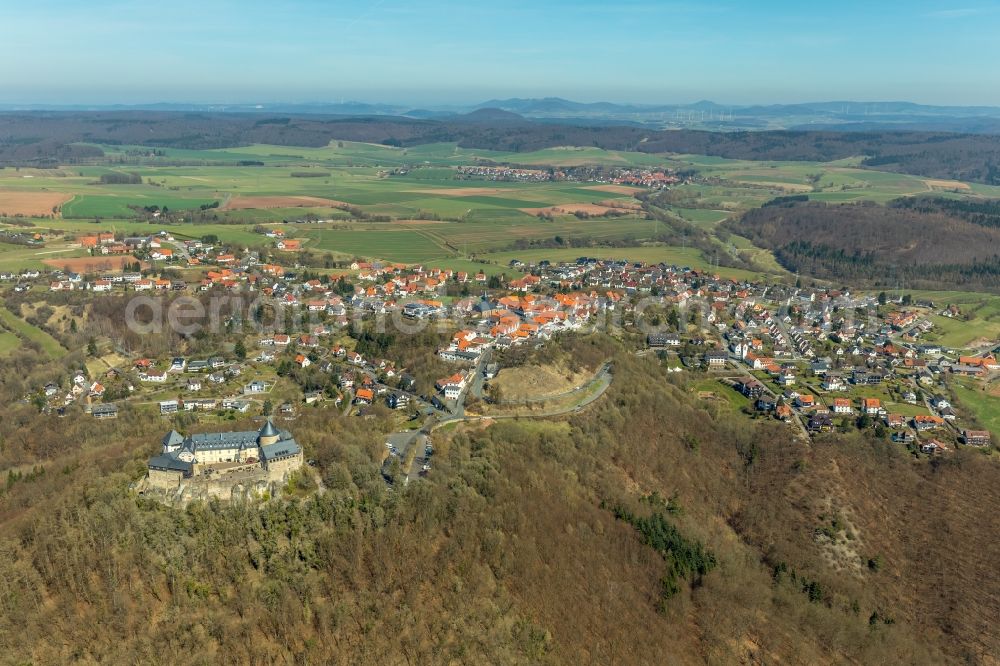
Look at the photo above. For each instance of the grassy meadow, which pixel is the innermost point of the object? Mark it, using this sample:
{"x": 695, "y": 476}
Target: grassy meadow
{"x": 23, "y": 329}
{"x": 984, "y": 404}
{"x": 979, "y": 321}
{"x": 20, "y": 257}
{"x": 8, "y": 343}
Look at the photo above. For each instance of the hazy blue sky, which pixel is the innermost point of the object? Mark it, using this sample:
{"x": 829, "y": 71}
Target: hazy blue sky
{"x": 432, "y": 51}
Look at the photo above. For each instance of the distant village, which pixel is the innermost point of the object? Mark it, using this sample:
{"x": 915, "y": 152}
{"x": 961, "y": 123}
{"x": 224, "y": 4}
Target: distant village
{"x": 649, "y": 178}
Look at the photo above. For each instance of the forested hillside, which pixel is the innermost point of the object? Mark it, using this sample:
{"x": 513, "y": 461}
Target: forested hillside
{"x": 48, "y": 138}
{"x": 985, "y": 213}
{"x": 923, "y": 243}
{"x": 650, "y": 528}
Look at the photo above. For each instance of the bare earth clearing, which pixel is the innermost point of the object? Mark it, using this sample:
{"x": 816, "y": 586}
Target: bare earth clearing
{"x": 569, "y": 209}
{"x": 31, "y": 204}
{"x": 623, "y": 204}
{"x": 90, "y": 264}
{"x": 947, "y": 184}
{"x": 615, "y": 189}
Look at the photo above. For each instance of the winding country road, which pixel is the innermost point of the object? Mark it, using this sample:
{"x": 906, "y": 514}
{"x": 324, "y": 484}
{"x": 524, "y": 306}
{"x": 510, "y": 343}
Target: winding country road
{"x": 403, "y": 441}
{"x": 590, "y": 391}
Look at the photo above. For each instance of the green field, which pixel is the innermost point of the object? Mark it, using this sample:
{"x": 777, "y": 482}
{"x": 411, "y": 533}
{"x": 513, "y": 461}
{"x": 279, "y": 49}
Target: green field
{"x": 117, "y": 205}
{"x": 25, "y": 330}
{"x": 705, "y": 218}
{"x": 402, "y": 245}
{"x": 958, "y": 334}
{"x": 986, "y": 407}
{"x": 727, "y": 395}
{"x": 979, "y": 322}
{"x": 8, "y": 342}
{"x": 20, "y": 257}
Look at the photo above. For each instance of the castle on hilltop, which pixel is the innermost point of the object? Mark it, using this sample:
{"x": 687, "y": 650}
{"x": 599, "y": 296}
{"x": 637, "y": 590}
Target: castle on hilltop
{"x": 244, "y": 458}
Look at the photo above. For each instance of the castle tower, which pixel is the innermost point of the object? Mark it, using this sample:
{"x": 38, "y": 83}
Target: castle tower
{"x": 268, "y": 434}
{"x": 172, "y": 441}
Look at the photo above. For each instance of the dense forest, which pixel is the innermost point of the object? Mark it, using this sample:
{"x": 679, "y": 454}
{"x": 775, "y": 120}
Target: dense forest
{"x": 47, "y": 138}
{"x": 652, "y": 527}
{"x": 919, "y": 242}
{"x": 985, "y": 213}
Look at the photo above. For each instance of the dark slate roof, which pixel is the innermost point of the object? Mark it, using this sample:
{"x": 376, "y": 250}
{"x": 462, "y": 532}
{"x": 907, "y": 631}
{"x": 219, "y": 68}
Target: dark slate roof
{"x": 169, "y": 462}
{"x": 221, "y": 440}
{"x": 269, "y": 430}
{"x": 173, "y": 438}
{"x": 285, "y": 447}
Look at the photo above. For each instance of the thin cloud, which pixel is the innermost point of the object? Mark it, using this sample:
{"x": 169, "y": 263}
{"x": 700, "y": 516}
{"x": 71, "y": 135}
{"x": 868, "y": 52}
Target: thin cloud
{"x": 954, "y": 13}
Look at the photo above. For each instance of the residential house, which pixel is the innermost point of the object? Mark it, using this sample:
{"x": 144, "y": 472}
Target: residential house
{"x": 256, "y": 386}
{"x": 101, "y": 412}
{"x": 786, "y": 378}
{"x": 895, "y": 421}
{"x": 198, "y": 366}
{"x": 976, "y": 437}
{"x": 716, "y": 358}
{"x": 289, "y": 245}
{"x": 658, "y": 340}
{"x": 923, "y": 422}
{"x": 765, "y": 403}
{"x": 933, "y": 447}
{"x": 819, "y": 422}
{"x": 903, "y": 437}
{"x": 750, "y": 387}
{"x": 398, "y": 400}
{"x": 871, "y": 406}
{"x": 153, "y": 375}
{"x": 452, "y": 386}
